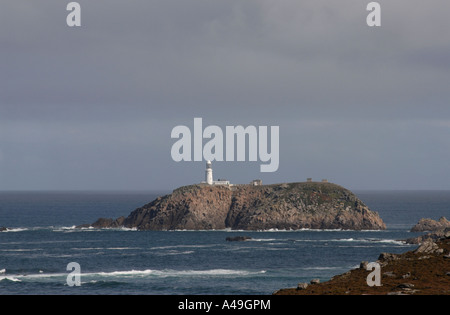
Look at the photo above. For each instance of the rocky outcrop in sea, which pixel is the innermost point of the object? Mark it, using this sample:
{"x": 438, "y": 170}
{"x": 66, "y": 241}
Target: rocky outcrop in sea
{"x": 247, "y": 207}
{"x": 431, "y": 225}
{"x": 437, "y": 230}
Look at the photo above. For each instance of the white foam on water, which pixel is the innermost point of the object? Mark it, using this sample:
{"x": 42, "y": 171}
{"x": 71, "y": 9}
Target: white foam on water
{"x": 182, "y": 246}
{"x": 175, "y": 252}
{"x": 179, "y": 273}
{"x": 92, "y": 276}
{"x": 9, "y": 278}
{"x": 370, "y": 240}
{"x": 21, "y": 250}
{"x": 396, "y": 242}
{"x": 15, "y": 230}
{"x": 263, "y": 240}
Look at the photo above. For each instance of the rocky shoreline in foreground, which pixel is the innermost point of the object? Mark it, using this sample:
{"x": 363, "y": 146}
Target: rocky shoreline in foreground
{"x": 423, "y": 271}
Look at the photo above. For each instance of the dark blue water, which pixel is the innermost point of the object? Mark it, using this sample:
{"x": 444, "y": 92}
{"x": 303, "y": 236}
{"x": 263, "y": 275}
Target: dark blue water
{"x": 42, "y": 240}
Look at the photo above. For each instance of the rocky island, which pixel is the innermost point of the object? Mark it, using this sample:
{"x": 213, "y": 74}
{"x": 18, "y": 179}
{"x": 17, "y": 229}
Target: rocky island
{"x": 310, "y": 205}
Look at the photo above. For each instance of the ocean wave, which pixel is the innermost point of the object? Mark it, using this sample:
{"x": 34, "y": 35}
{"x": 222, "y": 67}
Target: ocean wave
{"x": 105, "y": 248}
{"x": 8, "y": 278}
{"x": 21, "y": 250}
{"x": 263, "y": 240}
{"x": 279, "y": 248}
{"x": 181, "y": 273}
{"x": 165, "y": 273}
{"x": 313, "y": 230}
{"x": 396, "y": 242}
{"x": 15, "y": 230}
{"x": 182, "y": 246}
{"x": 175, "y": 252}
{"x": 370, "y": 240}
{"x": 272, "y": 230}
{"x": 209, "y": 230}
{"x": 74, "y": 228}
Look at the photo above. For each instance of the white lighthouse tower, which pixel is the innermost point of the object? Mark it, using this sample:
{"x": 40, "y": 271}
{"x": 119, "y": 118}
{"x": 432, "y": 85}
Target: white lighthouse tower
{"x": 208, "y": 173}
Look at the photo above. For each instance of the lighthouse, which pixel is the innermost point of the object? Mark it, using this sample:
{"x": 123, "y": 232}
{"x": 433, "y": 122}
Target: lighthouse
{"x": 208, "y": 173}
{"x": 209, "y": 177}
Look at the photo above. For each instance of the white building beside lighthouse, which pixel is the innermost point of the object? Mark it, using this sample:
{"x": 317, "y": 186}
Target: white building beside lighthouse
{"x": 209, "y": 176}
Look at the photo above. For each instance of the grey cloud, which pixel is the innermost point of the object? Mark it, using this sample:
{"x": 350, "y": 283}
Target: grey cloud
{"x": 108, "y": 94}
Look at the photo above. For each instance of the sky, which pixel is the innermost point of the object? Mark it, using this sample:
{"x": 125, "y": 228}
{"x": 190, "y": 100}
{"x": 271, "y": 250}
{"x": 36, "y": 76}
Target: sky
{"x": 93, "y": 107}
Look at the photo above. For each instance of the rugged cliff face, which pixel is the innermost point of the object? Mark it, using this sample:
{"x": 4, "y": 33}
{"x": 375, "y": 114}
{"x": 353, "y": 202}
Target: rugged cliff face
{"x": 246, "y": 207}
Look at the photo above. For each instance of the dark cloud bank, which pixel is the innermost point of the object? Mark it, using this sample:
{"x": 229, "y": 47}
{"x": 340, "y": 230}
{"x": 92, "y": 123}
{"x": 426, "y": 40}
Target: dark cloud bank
{"x": 93, "y": 107}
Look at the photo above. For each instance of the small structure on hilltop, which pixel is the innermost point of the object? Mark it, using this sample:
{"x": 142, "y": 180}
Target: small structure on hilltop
{"x": 256, "y": 182}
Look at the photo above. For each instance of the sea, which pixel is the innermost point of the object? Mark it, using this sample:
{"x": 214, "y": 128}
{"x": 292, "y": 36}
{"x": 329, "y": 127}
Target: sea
{"x": 38, "y": 249}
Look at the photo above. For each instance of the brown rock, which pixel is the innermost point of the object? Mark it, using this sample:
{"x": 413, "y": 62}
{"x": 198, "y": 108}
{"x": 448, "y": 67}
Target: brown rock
{"x": 315, "y": 281}
{"x": 387, "y": 256}
{"x": 406, "y": 276}
{"x": 247, "y": 207}
{"x": 432, "y": 236}
{"x": 302, "y": 286}
{"x": 427, "y": 247}
{"x": 431, "y": 225}
{"x": 389, "y": 274}
{"x": 104, "y": 223}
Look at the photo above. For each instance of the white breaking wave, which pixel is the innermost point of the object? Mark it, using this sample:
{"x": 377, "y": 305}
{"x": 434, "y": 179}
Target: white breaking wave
{"x": 9, "y": 278}
{"x": 15, "y": 230}
{"x": 397, "y": 242}
{"x": 370, "y": 240}
{"x": 175, "y": 252}
{"x": 180, "y": 273}
{"x": 263, "y": 240}
{"x": 69, "y": 229}
{"x": 21, "y": 250}
{"x": 182, "y": 246}
{"x": 137, "y": 274}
